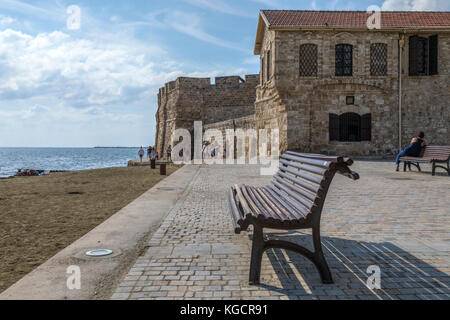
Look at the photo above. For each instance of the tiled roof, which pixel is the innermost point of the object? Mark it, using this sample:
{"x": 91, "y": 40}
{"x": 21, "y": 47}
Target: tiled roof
{"x": 356, "y": 19}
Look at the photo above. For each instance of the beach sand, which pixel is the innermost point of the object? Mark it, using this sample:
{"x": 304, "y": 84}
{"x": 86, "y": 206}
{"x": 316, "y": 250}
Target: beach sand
{"x": 39, "y": 216}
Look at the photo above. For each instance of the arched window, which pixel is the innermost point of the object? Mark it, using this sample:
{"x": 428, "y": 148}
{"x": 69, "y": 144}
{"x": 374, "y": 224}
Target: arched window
{"x": 350, "y": 127}
{"x": 378, "y": 59}
{"x": 308, "y": 60}
{"x": 344, "y": 60}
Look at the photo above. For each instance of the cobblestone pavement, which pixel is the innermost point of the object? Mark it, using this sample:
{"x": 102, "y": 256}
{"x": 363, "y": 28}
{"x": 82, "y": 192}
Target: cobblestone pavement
{"x": 395, "y": 220}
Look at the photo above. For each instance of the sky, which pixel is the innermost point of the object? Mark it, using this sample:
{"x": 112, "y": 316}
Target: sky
{"x": 93, "y": 81}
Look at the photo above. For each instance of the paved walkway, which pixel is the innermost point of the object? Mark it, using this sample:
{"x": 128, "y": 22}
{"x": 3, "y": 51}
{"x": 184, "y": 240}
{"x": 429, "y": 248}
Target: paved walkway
{"x": 397, "y": 221}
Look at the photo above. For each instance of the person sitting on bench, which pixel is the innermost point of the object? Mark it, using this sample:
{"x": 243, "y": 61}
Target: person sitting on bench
{"x": 413, "y": 150}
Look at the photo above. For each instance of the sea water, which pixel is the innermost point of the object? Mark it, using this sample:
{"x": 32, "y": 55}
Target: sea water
{"x": 64, "y": 159}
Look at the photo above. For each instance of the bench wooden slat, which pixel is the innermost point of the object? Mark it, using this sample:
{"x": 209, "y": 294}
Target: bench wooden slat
{"x": 315, "y": 179}
{"x": 256, "y": 211}
{"x": 317, "y": 156}
{"x": 314, "y": 189}
{"x": 274, "y": 216}
{"x": 333, "y": 159}
{"x": 311, "y": 169}
{"x": 264, "y": 214}
{"x": 243, "y": 201}
{"x": 314, "y": 162}
{"x": 299, "y": 210}
{"x": 270, "y": 204}
{"x": 288, "y": 208}
{"x": 238, "y": 220}
{"x": 281, "y": 211}
{"x": 306, "y": 193}
{"x": 307, "y": 201}
{"x": 300, "y": 205}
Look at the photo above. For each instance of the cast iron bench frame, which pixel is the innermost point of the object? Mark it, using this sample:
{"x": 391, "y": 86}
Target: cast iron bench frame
{"x": 294, "y": 200}
{"x": 430, "y": 154}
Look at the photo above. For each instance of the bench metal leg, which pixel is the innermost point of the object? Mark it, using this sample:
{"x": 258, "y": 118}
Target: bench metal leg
{"x": 434, "y": 169}
{"x": 257, "y": 252}
{"x": 320, "y": 263}
{"x": 316, "y": 257}
{"x": 417, "y": 165}
{"x": 404, "y": 166}
{"x": 442, "y": 167}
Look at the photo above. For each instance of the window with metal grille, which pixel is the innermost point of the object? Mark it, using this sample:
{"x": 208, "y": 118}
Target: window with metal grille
{"x": 350, "y": 127}
{"x": 308, "y": 60}
{"x": 378, "y": 59}
{"x": 344, "y": 60}
{"x": 423, "y": 55}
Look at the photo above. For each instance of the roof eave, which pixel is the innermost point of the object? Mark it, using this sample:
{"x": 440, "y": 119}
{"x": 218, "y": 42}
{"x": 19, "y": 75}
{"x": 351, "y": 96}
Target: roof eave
{"x": 262, "y": 23}
{"x": 349, "y": 28}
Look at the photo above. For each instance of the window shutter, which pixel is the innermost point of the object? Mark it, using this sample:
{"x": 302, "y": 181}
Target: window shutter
{"x": 433, "y": 56}
{"x": 334, "y": 127}
{"x": 418, "y": 56}
{"x": 413, "y": 44}
{"x": 366, "y": 127}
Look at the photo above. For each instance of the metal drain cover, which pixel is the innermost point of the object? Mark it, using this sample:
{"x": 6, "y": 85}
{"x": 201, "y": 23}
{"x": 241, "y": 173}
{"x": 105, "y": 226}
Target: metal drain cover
{"x": 99, "y": 253}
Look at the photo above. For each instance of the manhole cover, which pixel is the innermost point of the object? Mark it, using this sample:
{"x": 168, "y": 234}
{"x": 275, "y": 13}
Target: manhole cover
{"x": 99, "y": 253}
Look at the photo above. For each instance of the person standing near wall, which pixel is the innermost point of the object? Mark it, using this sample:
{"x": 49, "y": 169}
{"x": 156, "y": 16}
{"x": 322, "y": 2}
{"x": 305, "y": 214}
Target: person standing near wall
{"x": 149, "y": 151}
{"x": 169, "y": 153}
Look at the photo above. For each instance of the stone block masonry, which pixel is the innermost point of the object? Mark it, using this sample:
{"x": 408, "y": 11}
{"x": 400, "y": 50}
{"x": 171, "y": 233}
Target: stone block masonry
{"x": 185, "y": 100}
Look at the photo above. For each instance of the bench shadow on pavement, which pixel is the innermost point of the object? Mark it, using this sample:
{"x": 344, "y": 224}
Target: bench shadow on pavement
{"x": 403, "y": 275}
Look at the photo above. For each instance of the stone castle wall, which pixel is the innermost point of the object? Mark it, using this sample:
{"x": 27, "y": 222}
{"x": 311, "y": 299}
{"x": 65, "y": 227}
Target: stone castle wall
{"x": 300, "y": 106}
{"x": 185, "y": 100}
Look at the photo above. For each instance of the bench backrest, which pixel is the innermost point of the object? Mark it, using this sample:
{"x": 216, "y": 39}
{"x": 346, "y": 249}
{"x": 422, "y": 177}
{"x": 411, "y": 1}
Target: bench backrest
{"x": 437, "y": 153}
{"x": 304, "y": 178}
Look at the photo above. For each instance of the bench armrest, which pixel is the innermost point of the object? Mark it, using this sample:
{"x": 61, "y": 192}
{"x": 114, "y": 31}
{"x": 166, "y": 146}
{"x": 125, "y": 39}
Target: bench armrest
{"x": 345, "y": 171}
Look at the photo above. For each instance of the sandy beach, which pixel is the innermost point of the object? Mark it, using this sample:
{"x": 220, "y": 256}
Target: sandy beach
{"x": 39, "y": 216}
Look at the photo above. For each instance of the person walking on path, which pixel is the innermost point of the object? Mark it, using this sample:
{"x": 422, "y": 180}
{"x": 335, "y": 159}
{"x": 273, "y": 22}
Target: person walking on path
{"x": 413, "y": 150}
{"x": 153, "y": 154}
{"x": 141, "y": 153}
{"x": 169, "y": 153}
{"x": 149, "y": 151}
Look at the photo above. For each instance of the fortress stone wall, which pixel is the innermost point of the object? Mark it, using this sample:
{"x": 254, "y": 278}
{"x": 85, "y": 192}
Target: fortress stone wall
{"x": 185, "y": 100}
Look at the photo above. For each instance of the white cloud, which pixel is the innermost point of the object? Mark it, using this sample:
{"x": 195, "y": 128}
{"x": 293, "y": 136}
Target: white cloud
{"x": 79, "y": 72}
{"x": 4, "y": 20}
{"x": 416, "y": 5}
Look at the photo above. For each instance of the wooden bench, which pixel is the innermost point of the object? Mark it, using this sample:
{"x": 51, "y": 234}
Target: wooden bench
{"x": 430, "y": 154}
{"x": 293, "y": 200}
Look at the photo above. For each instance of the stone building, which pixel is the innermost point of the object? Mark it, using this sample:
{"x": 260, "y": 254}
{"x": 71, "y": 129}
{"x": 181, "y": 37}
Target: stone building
{"x": 185, "y": 100}
{"x": 329, "y": 84}
{"x": 332, "y": 85}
